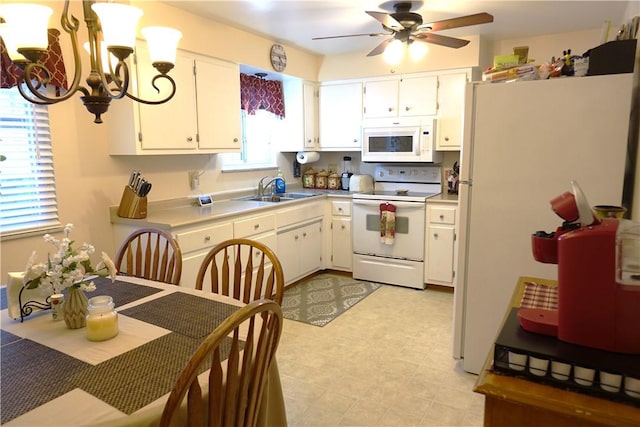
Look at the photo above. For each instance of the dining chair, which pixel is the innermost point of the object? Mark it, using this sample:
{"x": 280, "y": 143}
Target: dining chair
{"x": 243, "y": 269}
{"x": 150, "y": 253}
{"x": 236, "y": 381}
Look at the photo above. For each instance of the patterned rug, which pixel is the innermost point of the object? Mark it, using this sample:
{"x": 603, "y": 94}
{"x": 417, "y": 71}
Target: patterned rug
{"x": 324, "y": 297}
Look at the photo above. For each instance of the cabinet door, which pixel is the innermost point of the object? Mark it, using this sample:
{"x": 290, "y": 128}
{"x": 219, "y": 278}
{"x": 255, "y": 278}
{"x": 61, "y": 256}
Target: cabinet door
{"x": 341, "y": 116}
{"x": 171, "y": 125}
{"x": 418, "y": 96}
{"x": 381, "y": 99}
{"x": 310, "y": 101}
{"x": 310, "y": 248}
{"x": 341, "y": 252}
{"x": 440, "y": 253}
{"x": 289, "y": 254}
{"x": 450, "y": 111}
{"x": 218, "y": 88}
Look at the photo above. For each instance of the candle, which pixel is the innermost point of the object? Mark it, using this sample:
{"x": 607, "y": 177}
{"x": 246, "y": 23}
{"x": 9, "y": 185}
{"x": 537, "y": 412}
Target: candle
{"x": 102, "y": 320}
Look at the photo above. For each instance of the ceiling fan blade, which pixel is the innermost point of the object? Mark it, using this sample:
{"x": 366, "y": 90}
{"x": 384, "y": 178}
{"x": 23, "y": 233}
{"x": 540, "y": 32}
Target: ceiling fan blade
{"x": 352, "y": 35}
{"x": 462, "y": 21}
{"x": 380, "y": 48}
{"x": 386, "y": 20}
{"x": 439, "y": 40}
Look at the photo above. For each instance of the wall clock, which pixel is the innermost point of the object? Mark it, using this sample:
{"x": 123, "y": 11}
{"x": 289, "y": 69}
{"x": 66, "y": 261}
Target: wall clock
{"x": 278, "y": 57}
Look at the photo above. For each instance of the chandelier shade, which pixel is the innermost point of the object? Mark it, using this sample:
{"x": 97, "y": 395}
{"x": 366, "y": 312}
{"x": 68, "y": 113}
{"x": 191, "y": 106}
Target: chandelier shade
{"x": 111, "y": 31}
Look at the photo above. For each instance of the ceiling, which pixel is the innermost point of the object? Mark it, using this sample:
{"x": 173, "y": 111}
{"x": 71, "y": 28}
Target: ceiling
{"x": 295, "y": 23}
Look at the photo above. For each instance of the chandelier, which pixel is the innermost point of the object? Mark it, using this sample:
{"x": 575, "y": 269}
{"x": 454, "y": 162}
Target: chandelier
{"x": 112, "y": 32}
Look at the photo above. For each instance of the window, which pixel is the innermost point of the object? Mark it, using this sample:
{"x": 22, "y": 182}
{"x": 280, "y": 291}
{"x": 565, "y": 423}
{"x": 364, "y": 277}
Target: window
{"x": 257, "y": 150}
{"x": 27, "y": 186}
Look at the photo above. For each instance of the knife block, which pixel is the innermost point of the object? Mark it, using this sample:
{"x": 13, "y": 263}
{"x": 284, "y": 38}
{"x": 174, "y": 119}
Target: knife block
{"x": 132, "y": 205}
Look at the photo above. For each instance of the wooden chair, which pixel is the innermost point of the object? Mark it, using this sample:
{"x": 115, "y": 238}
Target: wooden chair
{"x": 152, "y": 254}
{"x": 236, "y": 385}
{"x": 250, "y": 277}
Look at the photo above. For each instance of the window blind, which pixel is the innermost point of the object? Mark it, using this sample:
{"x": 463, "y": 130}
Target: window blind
{"x": 27, "y": 186}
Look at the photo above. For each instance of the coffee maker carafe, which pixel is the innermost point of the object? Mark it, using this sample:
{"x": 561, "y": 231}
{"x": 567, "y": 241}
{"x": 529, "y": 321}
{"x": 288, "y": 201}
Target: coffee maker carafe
{"x": 346, "y": 172}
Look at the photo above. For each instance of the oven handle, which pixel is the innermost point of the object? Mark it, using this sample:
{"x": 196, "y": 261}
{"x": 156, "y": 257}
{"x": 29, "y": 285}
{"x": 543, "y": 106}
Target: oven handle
{"x": 398, "y": 204}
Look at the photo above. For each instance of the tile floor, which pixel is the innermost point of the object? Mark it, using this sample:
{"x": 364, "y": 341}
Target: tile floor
{"x": 385, "y": 362}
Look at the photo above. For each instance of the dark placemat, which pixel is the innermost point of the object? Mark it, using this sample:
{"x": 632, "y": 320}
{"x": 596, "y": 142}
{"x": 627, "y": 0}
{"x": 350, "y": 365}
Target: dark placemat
{"x": 196, "y": 317}
{"x": 3, "y": 298}
{"x": 138, "y": 377}
{"x": 7, "y": 337}
{"x": 32, "y": 375}
{"x": 121, "y": 292}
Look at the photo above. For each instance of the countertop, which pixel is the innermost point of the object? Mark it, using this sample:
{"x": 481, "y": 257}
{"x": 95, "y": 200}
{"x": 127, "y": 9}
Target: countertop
{"x": 185, "y": 211}
{"x": 444, "y": 198}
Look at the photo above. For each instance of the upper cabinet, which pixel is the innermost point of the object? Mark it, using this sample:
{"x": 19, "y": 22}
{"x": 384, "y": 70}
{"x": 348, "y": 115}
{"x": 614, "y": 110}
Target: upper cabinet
{"x": 341, "y": 116}
{"x": 450, "y": 110}
{"x": 202, "y": 117}
{"x": 406, "y": 96}
{"x": 298, "y": 131}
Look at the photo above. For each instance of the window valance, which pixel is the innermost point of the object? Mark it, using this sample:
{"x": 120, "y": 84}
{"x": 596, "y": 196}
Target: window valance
{"x": 257, "y": 93}
{"x": 52, "y": 59}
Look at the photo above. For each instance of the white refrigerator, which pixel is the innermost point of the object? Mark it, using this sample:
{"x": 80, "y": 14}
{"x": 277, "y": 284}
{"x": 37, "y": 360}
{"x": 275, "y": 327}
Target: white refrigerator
{"x": 523, "y": 144}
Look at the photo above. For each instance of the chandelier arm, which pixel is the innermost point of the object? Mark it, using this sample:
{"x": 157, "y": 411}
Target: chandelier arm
{"x": 153, "y": 83}
{"x": 121, "y": 82}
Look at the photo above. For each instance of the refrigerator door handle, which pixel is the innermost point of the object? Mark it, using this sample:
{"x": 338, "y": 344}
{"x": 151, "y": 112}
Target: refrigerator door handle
{"x": 468, "y": 182}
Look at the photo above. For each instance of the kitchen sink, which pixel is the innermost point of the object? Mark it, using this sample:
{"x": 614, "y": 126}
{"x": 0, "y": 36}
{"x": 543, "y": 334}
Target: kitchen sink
{"x": 276, "y": 198}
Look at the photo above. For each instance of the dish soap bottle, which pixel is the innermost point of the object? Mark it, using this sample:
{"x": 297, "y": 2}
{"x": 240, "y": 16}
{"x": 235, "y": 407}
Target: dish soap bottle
{"x": 280, "y": 184}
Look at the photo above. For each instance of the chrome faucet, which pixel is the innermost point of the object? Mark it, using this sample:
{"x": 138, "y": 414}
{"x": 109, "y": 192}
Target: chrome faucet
{"x": 263, "y": 187}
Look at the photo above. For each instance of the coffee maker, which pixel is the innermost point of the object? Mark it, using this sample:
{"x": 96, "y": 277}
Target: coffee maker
{"x": 598, "y": 278}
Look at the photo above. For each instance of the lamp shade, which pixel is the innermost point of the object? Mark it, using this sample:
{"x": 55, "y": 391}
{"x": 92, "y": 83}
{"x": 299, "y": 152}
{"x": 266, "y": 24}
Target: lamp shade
{"x": 162, "y": 42}
{"x": 9, "y": 42}
{"x": 26, "y": 25}
{"x": 118, "y": 22}
{"x": 104, "y": 57}
{"x": 394, "y": 52}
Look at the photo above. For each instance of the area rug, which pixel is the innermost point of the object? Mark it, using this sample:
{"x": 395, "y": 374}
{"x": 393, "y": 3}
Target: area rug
{"x": 324, "y": 297}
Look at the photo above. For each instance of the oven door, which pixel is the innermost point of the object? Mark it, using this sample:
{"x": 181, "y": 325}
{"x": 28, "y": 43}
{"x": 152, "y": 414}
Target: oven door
{"x": 391, "y": 144}
{"x": 409, "y": 231}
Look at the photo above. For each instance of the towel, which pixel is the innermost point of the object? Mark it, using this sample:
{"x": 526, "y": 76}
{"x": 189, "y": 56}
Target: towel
{"x": 387, "y": 223}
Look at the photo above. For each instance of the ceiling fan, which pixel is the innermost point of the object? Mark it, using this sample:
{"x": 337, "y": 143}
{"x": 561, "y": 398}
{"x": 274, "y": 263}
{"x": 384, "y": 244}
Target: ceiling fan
{"x": 407, "y": 26}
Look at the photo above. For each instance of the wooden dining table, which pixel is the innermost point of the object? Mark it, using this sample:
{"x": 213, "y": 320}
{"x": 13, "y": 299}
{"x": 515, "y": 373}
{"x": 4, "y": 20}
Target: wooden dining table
{"x": 55, "y": 376}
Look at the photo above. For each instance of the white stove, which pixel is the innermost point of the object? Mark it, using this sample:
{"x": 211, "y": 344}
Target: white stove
{"x": 400, "y": 260}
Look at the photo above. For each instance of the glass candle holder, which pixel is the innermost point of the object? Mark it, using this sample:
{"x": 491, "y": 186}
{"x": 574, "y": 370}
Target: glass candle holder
{"x": 102, "y": 319}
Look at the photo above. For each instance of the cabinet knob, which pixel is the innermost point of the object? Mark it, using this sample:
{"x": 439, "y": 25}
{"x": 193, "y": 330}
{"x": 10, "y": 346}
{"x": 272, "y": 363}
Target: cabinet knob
{"x": 309, "y": 141}
{"x": 342, "y": 226}
{"x": 296, "y": 237}
{"x": 446, "y": 138}
{"x": 207, "y": 238}
{"x": 435, "y": 235}
{"x": 340, "y": 209}
{"x": 304, "y": 234}
{"x": 441, "y": 216}
{"x": 255, "y": 227}
{"x": 407, "y": 108}
{"x": 390, "y": 109}
{"x": 235, "y": 139}
{"x": 355, "y": 140}
{"x": 189, "y": 139}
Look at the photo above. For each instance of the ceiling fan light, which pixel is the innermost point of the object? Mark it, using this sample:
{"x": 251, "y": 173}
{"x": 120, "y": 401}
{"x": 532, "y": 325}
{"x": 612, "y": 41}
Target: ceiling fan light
{"x": 418, "y": 50}
{"x": 27, "y": 25}
{"x": 118, "y": 23}
{"x": 163, "y": 43}
{"x": 394, "y": 52}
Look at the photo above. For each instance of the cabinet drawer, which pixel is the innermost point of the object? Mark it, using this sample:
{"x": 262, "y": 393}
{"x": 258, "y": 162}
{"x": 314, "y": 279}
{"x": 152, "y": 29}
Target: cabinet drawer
{"x": 443, "y": 215}
{"x": 255, "y": 225}
{"x": 302, "y": 212}
{"x": 202, "y": 238}
{"x": 341, "y": 208}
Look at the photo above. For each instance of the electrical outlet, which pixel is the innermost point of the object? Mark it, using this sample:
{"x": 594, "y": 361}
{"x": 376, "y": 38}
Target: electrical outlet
{"x": 194, "y": 180}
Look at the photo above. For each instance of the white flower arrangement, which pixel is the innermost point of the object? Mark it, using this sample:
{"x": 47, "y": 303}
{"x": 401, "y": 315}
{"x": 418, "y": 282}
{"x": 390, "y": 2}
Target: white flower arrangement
{"x": 67, "y": 267}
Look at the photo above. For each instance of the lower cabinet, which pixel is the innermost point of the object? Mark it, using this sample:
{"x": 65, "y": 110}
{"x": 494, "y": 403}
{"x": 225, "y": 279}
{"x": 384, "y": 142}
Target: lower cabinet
{"x": 341, "y": 247}
{"x": 439, "y": 267}
{"x": 300, "y": 250}
{"x": 195, "y": 243}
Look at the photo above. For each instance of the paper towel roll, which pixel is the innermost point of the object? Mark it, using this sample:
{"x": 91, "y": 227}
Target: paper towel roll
{"x": 304, "y": 157}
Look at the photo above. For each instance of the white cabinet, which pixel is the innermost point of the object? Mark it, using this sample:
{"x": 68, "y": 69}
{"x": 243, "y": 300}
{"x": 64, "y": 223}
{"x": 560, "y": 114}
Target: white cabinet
{"x": 440, "y": 243}
{"x": 202, "y": 117}
{"x": 300, "y": 240}
{"x": 341, "y": 116}
{"x": 195, "y": 243}
{"x": 450, "y": 111}
{"x": 341, "y": 248}
{"x": 298, "y": 130}
{"x": 406, "y": 96}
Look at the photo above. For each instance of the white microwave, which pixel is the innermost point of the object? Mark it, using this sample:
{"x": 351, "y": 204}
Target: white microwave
{"x": 400, "y": 140}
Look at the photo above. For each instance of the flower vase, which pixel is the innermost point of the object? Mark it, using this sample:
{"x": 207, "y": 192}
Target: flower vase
{"x": 74, "y": 309}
